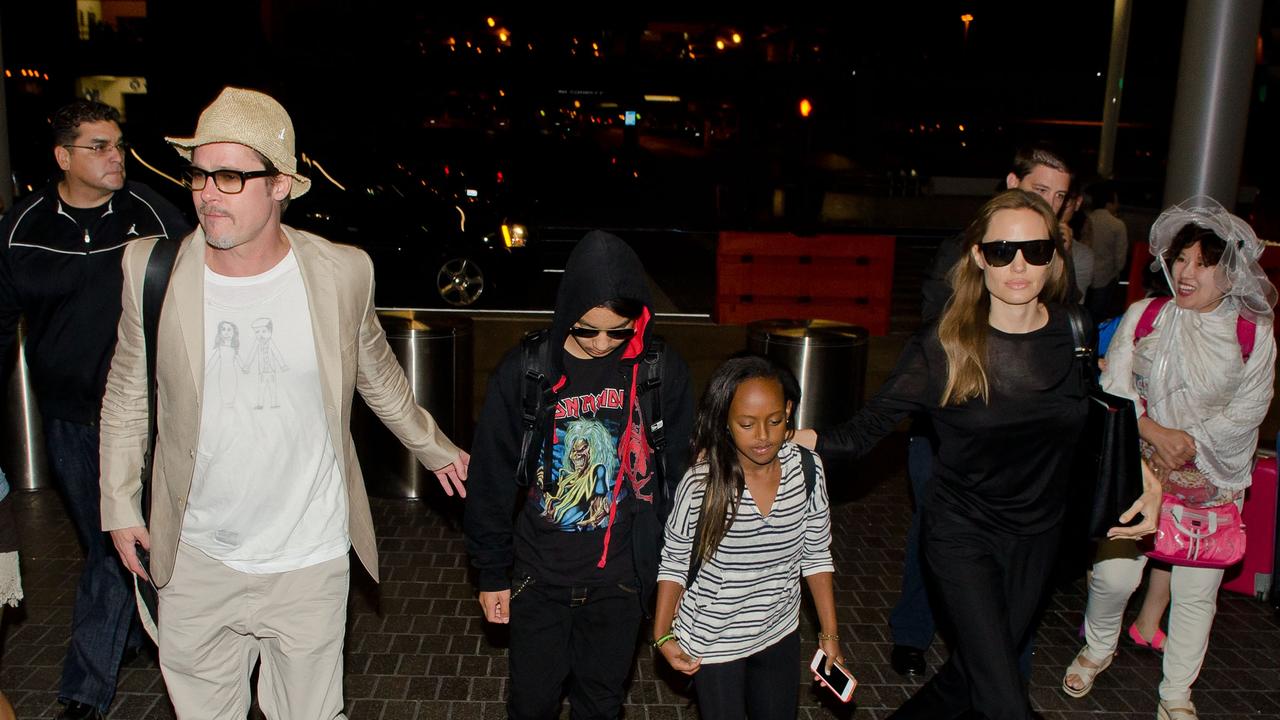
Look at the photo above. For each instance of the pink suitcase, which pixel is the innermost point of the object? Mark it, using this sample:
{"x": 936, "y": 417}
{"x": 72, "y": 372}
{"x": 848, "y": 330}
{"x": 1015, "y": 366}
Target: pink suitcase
{"x": 1253, "y": 576}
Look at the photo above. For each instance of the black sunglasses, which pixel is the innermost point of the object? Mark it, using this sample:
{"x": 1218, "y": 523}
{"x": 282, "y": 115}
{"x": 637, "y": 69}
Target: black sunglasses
{"x": 583, "y": 333}
{"x": 1001, "y": 252}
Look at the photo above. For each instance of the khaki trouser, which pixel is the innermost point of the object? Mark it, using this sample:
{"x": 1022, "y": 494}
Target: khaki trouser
{"x": 215, "y": 623}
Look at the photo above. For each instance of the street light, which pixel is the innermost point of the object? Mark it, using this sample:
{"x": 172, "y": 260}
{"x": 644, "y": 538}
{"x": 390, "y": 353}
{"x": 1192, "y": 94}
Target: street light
{"x": 806, "y": 107}
{"x": 966, "y": 19}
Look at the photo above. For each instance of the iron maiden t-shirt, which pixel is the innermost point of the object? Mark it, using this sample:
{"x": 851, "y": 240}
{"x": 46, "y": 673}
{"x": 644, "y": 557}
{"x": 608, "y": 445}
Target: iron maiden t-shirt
{"x": 560, "y": 536}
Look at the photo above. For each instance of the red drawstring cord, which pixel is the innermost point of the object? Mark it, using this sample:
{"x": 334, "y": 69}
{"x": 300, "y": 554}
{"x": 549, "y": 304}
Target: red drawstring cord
{"x": 624, "y": 464}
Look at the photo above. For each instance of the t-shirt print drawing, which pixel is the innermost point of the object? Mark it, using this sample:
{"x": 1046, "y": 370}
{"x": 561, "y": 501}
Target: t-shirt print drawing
{"x": 267, "y": 361}
{"x": 586, "y": 463}
{"x": 224, "y": 362}
{"x": 264, "y": 360}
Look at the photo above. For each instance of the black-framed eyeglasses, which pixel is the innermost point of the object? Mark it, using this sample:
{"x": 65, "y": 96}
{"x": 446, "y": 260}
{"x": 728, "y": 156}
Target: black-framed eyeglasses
{"x": 227, "y": 181}
{"x": 1001, "y": 252}
{"x": 101, "y": 148}
{"x": 584, "y": 333}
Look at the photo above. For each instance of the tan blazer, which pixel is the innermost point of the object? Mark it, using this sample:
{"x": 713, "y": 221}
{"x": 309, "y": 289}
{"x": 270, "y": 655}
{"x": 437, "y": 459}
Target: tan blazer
{"x": 352, "y": 353}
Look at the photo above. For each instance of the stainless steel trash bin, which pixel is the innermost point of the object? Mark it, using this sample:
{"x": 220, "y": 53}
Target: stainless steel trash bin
{"x": 828, "y": 358}
{"x": 436, "y": 354}
{"x": 22, "y": 452}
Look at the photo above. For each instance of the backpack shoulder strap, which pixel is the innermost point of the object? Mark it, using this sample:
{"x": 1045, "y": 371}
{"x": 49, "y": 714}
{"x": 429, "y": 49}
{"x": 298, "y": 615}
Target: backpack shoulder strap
{"x": 1147, "y": 322}
{"x": 695, "y": 558}
{"x": 1246, "y": 330}
{"x": 649, "y": 390}
{"x": 154, "y": 284}
{"x": 810, "y": 469}
{"x": 1246, "y": 334}
{"x": 534, "y": 388}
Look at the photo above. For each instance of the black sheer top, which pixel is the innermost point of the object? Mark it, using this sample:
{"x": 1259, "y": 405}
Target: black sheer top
{"x": 1006, "y": 463}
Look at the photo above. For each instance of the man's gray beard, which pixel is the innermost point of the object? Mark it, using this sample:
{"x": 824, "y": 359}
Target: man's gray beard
{"x": 224, "y": 244}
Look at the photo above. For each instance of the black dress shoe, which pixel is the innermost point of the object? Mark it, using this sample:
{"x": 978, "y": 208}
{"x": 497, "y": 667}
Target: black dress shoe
{"x": 907, "y": 660}
{"x": 79, "y": 711}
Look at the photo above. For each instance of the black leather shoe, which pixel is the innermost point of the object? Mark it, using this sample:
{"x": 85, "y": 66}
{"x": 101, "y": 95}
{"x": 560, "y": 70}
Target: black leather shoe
{"x": 79, "y": 711}
{"x": 907, "y": 660}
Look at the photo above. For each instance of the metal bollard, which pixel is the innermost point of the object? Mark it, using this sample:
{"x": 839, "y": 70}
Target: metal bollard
{"x": 22, "y": 451}
{"x": 436, "y": 354}
{"x": 828, "y": 358}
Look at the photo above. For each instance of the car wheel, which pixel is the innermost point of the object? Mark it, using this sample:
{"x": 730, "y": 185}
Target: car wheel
{"x": 460, "y": 281}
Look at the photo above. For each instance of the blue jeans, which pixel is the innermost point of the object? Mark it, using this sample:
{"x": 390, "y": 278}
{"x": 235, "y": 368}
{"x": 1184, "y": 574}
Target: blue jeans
{"x": 104, "y": 606}
{"x": 911, "y": 622}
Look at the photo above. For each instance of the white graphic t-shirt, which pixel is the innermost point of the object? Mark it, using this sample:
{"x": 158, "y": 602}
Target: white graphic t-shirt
{"x": 267, "y": 495}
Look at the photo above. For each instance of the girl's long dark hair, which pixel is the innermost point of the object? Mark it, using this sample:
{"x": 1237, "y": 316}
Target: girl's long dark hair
{"x": 717, "y": 462}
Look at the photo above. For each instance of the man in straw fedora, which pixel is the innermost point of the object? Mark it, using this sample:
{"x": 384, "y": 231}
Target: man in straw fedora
{"x": 253, "y": 507}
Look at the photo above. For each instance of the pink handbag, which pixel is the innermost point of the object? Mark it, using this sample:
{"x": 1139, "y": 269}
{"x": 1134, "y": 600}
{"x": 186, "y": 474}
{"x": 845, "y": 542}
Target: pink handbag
{"x": 1208, "y": 537}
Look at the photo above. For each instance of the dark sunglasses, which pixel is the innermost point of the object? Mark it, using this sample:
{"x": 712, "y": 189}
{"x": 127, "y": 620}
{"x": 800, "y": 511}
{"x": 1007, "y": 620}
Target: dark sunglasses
{"x": 1002, "y": 252}
{"x": 583, "y": 333}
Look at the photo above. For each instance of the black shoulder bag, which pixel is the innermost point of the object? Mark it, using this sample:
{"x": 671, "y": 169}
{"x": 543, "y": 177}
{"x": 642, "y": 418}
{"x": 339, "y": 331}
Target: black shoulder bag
{"x": 1107, "y": 475}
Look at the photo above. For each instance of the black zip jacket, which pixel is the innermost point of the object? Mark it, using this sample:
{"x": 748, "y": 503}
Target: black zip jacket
{"x": 66, "y": 280}
{"x": 600, "y": 268}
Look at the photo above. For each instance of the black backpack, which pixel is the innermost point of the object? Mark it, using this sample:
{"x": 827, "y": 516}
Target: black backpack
{"x": 537, "y": 400}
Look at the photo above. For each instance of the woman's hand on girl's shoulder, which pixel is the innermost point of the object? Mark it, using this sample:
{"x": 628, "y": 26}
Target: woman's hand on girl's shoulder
{"x": 678, "y": 659}
{"x": 808, "y": 437}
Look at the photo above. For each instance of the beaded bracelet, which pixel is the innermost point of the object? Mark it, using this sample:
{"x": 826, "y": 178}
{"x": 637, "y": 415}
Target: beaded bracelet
{"x": 825, "y": 636}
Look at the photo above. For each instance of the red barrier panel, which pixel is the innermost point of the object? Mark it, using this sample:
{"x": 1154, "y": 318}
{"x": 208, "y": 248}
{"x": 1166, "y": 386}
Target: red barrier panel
{"x": 848, "y": 278}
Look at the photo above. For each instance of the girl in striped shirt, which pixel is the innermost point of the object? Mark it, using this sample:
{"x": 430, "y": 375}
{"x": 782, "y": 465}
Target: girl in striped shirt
{"x": 729, "y": 591}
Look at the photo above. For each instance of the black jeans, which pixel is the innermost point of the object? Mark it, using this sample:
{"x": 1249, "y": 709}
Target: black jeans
{"x": 585, "y": 635}
{"x": 988, "y": 585}
{"x": 762, "y": 686}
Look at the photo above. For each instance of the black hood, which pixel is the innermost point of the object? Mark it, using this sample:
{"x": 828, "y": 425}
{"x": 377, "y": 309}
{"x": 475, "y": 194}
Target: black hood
{"x": 601, "y": 268}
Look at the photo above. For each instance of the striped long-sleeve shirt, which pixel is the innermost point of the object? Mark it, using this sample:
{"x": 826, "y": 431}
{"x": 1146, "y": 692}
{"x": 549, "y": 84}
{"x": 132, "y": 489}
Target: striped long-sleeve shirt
{"x": 747, "y": 596}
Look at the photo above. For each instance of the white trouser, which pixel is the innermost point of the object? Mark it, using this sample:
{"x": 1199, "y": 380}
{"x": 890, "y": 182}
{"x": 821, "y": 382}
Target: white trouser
{"x": 1117, "y": 572}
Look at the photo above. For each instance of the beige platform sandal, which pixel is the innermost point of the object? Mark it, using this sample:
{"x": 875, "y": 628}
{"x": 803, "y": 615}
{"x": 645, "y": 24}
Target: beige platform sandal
{"x": 1085, "y": 673}
{"x": 1176, "y": 710}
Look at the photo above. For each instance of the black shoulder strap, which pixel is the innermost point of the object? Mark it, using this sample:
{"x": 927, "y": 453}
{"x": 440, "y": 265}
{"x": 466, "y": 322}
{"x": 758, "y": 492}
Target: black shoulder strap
{"x": 534, "y": 389}
{"x": 649, "y": 388}
{"x": 1082, "y": 340}
{"x": 154, "y": 285}
{"x": 695, "y": 557}
{"x": 810, "y": 469}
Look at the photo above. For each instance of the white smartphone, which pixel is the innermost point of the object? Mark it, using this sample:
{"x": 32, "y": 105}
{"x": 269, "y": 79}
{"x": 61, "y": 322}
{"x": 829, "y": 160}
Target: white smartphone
{"x": 839, "y": 681}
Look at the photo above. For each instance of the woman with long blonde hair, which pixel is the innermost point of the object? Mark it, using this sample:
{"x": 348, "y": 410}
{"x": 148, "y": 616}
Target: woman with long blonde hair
{"x": 998, "y": 377}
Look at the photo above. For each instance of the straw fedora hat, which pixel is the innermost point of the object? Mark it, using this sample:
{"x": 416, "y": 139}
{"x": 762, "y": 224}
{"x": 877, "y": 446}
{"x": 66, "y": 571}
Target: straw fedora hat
{"x": 253, "y": 119}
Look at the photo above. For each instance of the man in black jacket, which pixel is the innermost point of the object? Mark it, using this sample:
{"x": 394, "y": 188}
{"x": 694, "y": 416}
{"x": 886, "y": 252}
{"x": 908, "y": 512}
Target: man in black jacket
{"x": 60, "y": 268}
{"x": 574, "y": 572}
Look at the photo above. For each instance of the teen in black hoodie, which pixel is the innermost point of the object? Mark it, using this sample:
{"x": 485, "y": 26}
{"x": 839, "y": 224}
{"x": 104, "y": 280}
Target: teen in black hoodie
{"x": 573, "y": 569}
